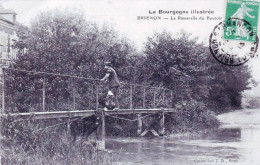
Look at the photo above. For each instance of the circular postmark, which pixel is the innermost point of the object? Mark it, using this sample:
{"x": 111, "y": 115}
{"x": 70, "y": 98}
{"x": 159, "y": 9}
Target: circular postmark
{"x": 231, "y": 52}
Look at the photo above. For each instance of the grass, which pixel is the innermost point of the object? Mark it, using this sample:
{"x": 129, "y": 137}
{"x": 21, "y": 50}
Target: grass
{"x": 28, "y": 144}
{"x": 63, "y": 153}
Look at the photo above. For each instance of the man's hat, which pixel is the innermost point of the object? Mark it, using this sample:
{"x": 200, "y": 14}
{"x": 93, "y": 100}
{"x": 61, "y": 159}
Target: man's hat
{"x": 108, "y": 64}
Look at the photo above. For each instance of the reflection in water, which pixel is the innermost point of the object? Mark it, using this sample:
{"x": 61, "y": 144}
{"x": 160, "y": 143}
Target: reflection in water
{"x": 235, "y": 142}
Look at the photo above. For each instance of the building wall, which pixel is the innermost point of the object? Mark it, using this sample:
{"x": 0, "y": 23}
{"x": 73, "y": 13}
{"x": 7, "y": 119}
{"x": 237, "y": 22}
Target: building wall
{"x": 7, "y": 37}
{"x": 6, "y": 42}
{"x": 7, "y": 52}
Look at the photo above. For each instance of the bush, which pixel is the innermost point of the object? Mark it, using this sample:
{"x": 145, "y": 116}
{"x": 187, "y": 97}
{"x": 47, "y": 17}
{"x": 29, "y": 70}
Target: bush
{"x": 191, "y": 117}
{"x": 34, "y": 142}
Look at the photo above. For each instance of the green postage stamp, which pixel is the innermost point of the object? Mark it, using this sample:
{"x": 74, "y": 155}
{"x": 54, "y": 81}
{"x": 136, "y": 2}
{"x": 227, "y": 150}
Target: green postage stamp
{"x": 241, "y": 20}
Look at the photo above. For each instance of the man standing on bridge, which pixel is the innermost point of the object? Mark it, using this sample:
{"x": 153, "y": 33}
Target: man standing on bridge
{"x": 113, "y": 81}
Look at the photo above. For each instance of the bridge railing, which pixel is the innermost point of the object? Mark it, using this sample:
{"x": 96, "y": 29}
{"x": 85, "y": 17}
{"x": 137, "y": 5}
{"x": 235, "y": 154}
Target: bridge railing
{"x": 32, "y": 91}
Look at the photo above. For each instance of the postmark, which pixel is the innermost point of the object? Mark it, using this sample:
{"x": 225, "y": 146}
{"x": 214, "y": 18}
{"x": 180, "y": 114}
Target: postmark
{"x": 231, "y": 52}
{"x": 241, "y": 20}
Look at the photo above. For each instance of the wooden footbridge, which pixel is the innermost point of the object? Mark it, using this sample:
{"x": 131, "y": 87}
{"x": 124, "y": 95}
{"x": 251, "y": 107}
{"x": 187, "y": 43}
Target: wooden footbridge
{"x": 158, "y": 113}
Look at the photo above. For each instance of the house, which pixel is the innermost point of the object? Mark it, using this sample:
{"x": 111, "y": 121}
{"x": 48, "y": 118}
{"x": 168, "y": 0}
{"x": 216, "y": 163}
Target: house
{"x": 7, "y": 36}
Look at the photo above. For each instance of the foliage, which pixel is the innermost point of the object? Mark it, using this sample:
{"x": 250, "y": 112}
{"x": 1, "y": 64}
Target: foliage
{"x": 32, "y": 142}
{"x": 62, "y": 42}
{"x": 251, "y": 102}
{"x": 186, "y": 66}
{"x": 227, "y": 86}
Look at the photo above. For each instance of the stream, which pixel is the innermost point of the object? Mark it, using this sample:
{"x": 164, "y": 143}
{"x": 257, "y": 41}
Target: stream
{"x": 237, "y": 141}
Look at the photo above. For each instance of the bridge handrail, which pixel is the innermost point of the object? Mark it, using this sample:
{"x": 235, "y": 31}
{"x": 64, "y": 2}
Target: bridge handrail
{"x": 85, "y": 78}
{"x": 80, "y": 77}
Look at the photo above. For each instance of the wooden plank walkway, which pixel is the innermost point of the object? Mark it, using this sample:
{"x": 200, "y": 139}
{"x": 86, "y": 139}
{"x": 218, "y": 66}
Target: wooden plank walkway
{"x": 82, "y": 113}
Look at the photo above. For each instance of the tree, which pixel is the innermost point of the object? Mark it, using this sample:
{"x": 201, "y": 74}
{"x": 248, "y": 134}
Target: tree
{"x": 227, "y": 85}
{"x": 182, "y": 64}
{"x": 178, "y": 63}
{"x": 64, "y": 42}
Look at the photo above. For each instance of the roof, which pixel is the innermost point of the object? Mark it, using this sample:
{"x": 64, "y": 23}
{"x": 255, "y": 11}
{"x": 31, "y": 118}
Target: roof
{"x": 2, "y": 18}
{"x": 7, "y": 11}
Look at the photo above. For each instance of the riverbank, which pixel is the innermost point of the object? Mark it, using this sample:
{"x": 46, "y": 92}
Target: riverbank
{"x": 57, "y": 151}
{"x": 180, "y": 122}
{"x": 48, "y": 142}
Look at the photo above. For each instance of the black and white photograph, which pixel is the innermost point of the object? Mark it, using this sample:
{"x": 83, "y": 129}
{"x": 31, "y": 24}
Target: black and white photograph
{"x": 129, "y": 82}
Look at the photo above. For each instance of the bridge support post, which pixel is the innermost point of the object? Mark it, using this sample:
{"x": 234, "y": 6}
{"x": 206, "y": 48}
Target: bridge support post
{"x": 154, "y": 98}
{"x": 139, "y": 124}
{"x": 131, "y": 97}
{"x": 162, "y": 128}
{"x": 2, "y": 78}
{"x": 101, "y": 131}
{"x": 43, "y": 92}
{"x": 68, "y": 127}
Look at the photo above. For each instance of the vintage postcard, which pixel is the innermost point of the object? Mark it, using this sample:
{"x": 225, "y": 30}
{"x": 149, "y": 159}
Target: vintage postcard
{"x": 129, "y": 82}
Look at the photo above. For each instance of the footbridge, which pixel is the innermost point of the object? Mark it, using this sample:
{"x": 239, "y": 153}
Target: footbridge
{"x": 142, "y": 101}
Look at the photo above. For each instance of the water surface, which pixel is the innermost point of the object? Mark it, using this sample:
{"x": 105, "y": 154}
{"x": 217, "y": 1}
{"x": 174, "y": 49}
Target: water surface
{"x": 237, "y": 141}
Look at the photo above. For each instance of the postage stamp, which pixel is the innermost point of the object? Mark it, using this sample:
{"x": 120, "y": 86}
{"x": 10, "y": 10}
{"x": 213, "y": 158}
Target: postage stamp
{"x": 241, "y": 20}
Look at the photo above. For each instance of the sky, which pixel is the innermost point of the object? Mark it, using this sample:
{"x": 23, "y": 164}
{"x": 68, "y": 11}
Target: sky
{"x": 122, "y": 14}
